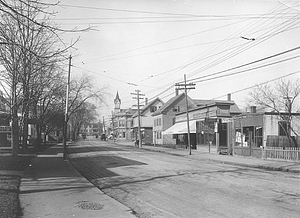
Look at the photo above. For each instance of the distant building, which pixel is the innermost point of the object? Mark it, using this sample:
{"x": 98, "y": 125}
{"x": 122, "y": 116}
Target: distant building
{"x": 164, "y": 118}
{"x": 254, "y": 130}
{"x": 122, "y": 121}
{"x": 5, "y": 128}
{"x": 210, "y": 121}
{"x": 146, "y": 120}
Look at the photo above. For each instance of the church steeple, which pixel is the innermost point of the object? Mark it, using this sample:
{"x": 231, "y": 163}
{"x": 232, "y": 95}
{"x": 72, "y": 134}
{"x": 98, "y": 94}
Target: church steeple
{"x": 117, "y": 102}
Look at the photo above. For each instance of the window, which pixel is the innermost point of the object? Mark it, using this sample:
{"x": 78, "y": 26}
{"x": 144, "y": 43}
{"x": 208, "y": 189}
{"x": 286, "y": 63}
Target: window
{"x": 282, "y": 128}
{"x": 153, "y": 108}
{"x": 176, "y": 109}
{"x": 122, "y": 123}
{"x": 157, "y": 122}
{"x": 158, "y": 134}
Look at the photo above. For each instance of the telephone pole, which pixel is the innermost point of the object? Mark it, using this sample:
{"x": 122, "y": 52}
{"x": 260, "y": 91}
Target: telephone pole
{"x": 138, "y": 94}
{"x": 103, "y": 125}
{"x": 66, "y": 113}
{"x": 186, "y": 87}
{"x": 113, "y": 125}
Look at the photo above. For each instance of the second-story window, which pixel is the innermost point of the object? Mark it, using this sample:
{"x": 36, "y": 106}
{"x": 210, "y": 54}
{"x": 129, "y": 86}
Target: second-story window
{"x": 176, "y": 109}
{"x": 153, "y": 108}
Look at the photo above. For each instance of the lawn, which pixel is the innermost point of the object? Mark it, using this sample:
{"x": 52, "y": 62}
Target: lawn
{"x": 10, "y": 183}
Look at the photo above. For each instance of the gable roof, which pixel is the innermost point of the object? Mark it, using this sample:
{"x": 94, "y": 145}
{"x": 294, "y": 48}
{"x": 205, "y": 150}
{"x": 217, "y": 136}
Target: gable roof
{"x": 146, "y": 107}
{"x": 170, "y": 104}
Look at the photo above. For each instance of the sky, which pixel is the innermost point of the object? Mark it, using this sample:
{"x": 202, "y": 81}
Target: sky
{"x": 149, "y": 45}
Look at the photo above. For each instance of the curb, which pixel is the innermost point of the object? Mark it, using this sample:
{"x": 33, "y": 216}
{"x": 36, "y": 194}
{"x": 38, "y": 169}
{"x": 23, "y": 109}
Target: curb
{"x": 269, "y": 168}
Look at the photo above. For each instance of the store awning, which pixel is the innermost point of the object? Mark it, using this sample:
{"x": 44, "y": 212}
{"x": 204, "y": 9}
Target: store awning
{"x": 181, "y": 128}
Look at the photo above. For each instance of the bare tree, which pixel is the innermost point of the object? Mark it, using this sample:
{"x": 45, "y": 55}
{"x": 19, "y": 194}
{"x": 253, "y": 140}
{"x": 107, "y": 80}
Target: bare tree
{"x": 85, "y": 114}
{"x": 27, "y": 51}
{"x": 83, "y": 90}
{"x": 282, "y": 98}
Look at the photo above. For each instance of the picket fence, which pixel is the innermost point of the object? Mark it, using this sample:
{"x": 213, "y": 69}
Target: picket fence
{"x": 288, "y": 153}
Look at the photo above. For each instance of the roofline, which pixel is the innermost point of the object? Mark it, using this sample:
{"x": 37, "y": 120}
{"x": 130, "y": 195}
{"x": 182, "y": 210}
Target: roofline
{"x": 208, "y": 105}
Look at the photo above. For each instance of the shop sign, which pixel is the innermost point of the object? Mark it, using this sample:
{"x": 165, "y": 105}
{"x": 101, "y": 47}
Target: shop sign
{"x": 227, "y": 120}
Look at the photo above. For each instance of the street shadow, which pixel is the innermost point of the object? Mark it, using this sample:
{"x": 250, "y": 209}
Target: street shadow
{"x": 76, "y": 188}
{"x": 97, "y": 167}
{"x": 49, "y": 167}
{"x": 86, "y": 149}
{"x": 54, "y": 150}
{"x": 18, "y": 163}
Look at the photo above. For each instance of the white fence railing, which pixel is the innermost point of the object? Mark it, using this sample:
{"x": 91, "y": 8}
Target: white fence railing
{"x": 289, "y": 153}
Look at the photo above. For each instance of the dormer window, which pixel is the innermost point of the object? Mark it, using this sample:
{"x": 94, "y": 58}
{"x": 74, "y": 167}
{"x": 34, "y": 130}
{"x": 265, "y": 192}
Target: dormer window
{"x": 153, "y": 108}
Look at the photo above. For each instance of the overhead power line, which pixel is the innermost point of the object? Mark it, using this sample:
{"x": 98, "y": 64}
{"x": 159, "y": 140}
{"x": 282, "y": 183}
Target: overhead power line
{"x": 250, "y": 87}
{"x": 122, "y": 81}
{"x": 164, "y": 13}
{"x": 247, "y": 64}
{"x": 220, "y": 17}
{"x": 227, "y": 47}
{"x": 243, "y": 71}
{"x": 162, "y": 42}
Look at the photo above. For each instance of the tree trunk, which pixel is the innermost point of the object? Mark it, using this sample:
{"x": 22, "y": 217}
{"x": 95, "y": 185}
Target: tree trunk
{"x": 45, "y": 138}
{"x": 39, "y": 136}
{"x": 25, "y": 133}
{"x": 15, "y": 133}
{"x": 14, "y": 118}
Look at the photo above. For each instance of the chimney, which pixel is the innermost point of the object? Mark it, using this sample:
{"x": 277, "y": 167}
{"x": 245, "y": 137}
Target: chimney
{"x": 176, "y": 91}
{"x": 228, "y": 97}
{"x": 146, "y": 101}
{"x": 253, "y": 109}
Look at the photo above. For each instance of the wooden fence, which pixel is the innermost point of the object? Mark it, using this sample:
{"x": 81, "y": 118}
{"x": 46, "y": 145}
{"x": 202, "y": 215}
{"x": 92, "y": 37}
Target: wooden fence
{"x": 280, "y": 141}
{"x": 289, "y": 153}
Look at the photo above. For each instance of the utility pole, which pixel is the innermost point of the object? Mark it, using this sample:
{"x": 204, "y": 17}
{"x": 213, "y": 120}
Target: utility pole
{"x": 138, "y": 94}
{"x": 66, "y": 113}
{"x": 113, "y": 125}
{"x": 186, "y": 87}
{"x": 103, "y": 125}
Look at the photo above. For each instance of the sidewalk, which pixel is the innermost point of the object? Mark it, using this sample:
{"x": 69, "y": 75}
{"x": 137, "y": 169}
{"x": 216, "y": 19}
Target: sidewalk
{"x": 203, "y": 154}
{"x": 51, "y": 187}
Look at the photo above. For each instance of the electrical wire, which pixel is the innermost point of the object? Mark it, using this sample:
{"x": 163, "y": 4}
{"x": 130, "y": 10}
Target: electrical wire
{"x": 167, "y": 50}
{"x": 224, "y": 58}
{"x": 247, "y": 64}
{"x": 122, "y": 81}
{"x": 250, "y": 87}
{"x": 243, "y": 71}
{"x": 162, "y": 42}
{"x": 178, "y": 69}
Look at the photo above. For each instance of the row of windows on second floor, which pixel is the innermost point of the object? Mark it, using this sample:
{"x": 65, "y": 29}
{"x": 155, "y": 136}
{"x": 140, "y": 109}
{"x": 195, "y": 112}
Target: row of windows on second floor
{"x": 123, "y": 123}
{"x": 158, "y": 121}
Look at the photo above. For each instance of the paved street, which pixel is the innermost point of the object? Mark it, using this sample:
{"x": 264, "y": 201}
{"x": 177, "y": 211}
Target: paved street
{"x": 156, "y": 184}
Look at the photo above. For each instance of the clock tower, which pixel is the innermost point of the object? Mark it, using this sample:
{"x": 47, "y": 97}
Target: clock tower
{"x": 117, "y": 102}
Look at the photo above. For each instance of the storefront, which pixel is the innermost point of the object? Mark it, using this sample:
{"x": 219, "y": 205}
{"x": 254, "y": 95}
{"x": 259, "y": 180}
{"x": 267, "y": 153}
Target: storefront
{"x": 248, "y": 135}
{"x": 211, "y": 123}
{"x": 180, "y": 133}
